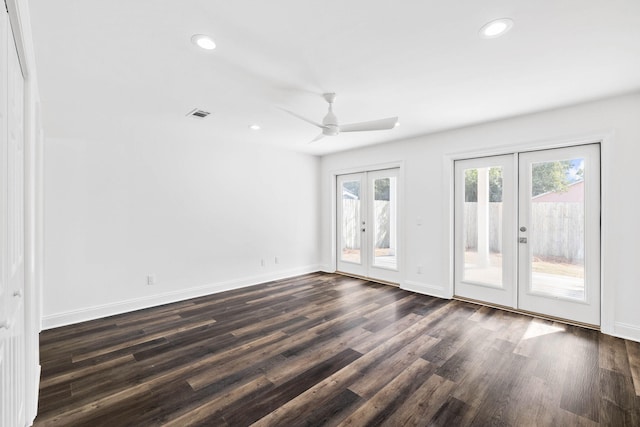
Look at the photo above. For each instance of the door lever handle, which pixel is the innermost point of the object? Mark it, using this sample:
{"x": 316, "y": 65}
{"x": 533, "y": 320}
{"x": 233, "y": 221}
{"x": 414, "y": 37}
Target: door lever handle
{"x": 522, "y": 240}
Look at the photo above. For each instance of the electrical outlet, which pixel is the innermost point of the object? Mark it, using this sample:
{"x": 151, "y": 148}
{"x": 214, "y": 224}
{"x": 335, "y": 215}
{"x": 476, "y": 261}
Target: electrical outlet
{"x": 276, "y": 260}
{"x": 419, "y": 269}
{"x": 262, "y": 263}
{"x": 151, "y": 279}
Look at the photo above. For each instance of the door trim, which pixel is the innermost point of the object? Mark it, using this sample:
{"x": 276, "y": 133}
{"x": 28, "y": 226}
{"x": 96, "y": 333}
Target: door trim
{"x": 604, "y": 137}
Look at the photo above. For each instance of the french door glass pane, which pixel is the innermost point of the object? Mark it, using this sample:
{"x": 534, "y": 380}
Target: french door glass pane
{"x": 351, "y": 234}
{"x": 557, "y": 228}
{"x": 483, "y": 226}
{"x": 384, "y": 223}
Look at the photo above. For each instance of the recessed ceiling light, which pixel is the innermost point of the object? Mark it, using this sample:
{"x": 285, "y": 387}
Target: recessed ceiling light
{"x": 254, "y": 127}
{"x": 203, "y": 41}
{"x": 496, "y": 28}
{"x": 396, "y": 125}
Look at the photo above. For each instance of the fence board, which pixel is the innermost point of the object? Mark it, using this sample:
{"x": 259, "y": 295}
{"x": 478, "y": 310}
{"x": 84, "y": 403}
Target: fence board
{"x": 556, "y": 229}
{"x": 351, "y": 223}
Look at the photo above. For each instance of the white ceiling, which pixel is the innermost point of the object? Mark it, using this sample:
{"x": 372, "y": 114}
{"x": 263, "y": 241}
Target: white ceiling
{"x": 113, "y": 68}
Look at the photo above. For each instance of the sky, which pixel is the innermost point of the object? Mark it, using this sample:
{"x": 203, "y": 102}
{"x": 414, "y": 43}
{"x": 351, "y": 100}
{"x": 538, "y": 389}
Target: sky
{"x": 572, "y": 173}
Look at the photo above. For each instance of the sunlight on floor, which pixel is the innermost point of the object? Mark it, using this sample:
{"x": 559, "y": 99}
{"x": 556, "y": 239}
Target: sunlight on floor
{"x": 537, "y": 329}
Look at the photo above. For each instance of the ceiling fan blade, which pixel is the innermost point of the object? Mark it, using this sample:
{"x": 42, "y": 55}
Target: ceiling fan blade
{"x": 303, "y": 118}
{"x": 317, "y": 138}
{"x": 381, "y": 124}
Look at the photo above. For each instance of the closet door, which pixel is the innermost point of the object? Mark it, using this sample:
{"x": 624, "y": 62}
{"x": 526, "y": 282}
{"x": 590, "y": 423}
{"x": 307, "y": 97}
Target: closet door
{"x": 12, "y": 341}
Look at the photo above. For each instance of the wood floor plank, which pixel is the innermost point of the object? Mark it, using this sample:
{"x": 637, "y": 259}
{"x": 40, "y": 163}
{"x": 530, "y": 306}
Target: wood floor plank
{"x": 633, "y": 353}
{"x": 368, "y": 385}
{"x": 293, "y": 388}
{"x": 581, "y": 391}
{"x": 613, "y": 355}
{"x": 217, "y": 405}
{"x": 377, "y": 408}
{"x": 326, "y": 349}
{"x": 88, "y": 370}
{"x": 423, "y": 404}
{"x": 297, "y": 362}
{"x": 143, "y": 339}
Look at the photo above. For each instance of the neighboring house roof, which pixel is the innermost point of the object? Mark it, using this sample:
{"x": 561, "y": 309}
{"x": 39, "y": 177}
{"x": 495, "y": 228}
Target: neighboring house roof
{"x": 574, "y": 193}
{"x": 346, "y": 194}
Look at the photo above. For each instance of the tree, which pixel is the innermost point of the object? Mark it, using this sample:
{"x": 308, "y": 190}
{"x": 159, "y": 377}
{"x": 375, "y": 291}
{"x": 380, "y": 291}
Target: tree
{"x": 471, "y": 185}
{"x": 546, "y": 177}
{"x": 550, "y": 176}
{"x": 381, "y": 188}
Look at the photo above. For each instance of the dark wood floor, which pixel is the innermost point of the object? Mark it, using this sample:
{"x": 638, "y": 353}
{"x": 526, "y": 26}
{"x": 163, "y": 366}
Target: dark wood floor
{"x": 324, "y": 349}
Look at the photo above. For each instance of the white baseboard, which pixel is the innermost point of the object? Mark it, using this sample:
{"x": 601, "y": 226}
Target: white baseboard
{"x": 100, "y": 311}
{"x": 424, "y": 288}
{"x": 626, "y": 331}
{"x": 326, "y": 269}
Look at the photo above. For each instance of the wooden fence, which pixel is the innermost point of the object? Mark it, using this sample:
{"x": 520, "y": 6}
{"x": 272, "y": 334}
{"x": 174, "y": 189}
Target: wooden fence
{"x": 351, "y": 225}
{"x": 558, "y": 229}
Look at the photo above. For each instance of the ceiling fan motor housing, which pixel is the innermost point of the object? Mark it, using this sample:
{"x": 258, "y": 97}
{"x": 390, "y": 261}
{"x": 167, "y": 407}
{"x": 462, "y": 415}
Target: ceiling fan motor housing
{"x": 330, "y": 120}
{"x": 331, "y": 123}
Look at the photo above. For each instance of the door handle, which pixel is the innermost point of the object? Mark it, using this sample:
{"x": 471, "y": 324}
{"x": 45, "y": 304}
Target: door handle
{"x": 522, "y": 240}
{"x": 363, "y": 230}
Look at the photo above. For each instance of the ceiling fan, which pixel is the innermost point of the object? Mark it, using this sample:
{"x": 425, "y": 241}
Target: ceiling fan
{"x": 330, "y": 126}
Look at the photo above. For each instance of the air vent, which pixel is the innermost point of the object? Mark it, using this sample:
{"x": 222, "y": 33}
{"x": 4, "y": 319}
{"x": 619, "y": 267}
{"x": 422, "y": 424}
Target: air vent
{"x": 198, "y": 113}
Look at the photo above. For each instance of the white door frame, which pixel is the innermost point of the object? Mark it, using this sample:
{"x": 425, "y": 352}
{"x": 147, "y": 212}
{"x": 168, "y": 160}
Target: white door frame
{"x": 604, "y": 138}
{"x": 333, "y": 177}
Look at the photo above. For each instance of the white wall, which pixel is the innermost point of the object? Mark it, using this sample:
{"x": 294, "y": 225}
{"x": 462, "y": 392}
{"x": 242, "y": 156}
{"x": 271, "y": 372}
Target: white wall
{"x": 198, "y": 214}
{"x": 427, "y": 195}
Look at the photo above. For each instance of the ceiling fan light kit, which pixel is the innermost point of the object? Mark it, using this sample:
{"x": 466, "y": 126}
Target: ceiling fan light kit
{"x": 331, "y": 127}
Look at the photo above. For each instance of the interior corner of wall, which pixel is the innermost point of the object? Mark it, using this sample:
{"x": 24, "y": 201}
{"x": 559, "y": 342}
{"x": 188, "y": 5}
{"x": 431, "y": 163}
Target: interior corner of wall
{"x": 326, "y": 268}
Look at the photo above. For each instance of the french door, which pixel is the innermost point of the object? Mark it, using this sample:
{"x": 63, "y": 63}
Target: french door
{"x": 367, "y": 224}
{"x": 527, "y": 231}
